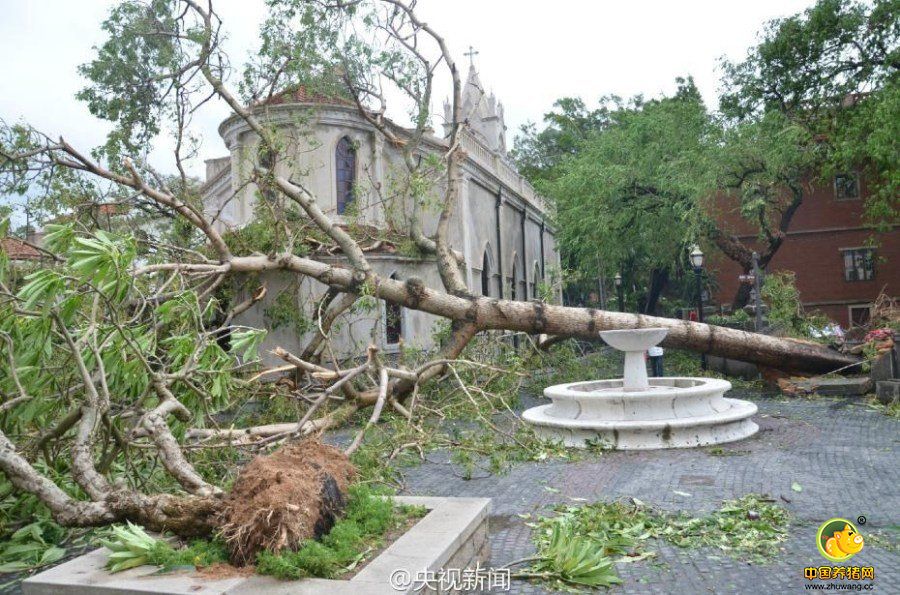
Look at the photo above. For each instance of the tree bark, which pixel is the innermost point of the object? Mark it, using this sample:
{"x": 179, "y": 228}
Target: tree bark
{"x": 536, "y": 317}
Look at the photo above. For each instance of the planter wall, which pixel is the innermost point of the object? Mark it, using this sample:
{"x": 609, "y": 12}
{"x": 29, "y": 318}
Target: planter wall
{"x": 454, "y": 534}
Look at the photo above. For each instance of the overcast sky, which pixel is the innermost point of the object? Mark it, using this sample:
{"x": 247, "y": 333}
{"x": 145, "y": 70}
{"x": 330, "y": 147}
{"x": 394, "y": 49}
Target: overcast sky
{"x": 530, "y": 53}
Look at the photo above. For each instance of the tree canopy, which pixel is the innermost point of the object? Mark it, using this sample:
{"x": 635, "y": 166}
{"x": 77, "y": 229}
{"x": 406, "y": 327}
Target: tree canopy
{"x": 635, "y": 177}
{"x": 634, "y": 182}
{"x": 833, "y": 69}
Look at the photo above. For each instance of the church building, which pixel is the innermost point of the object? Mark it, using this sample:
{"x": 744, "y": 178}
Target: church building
{"x": 500, "y": 224}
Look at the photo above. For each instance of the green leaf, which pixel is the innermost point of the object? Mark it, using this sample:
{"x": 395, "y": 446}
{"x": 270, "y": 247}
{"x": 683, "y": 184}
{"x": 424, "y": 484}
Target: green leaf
{"x": 126, "y": 564}
{"x": 58, "y": 237}
{"x": 14, "y": 566}
{"x": 246, "y": 343}
{"x": 52, "y": 555}
{"x": 796, "y": 487}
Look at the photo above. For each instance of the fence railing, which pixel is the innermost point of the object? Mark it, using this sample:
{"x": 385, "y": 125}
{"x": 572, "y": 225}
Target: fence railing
{"x": 503, "y": 170}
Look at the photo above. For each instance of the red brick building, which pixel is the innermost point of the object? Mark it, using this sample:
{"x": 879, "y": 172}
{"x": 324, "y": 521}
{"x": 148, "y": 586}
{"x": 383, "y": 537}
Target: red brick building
{"x": 17, "y": 250}
{"x": 839, "y": 271}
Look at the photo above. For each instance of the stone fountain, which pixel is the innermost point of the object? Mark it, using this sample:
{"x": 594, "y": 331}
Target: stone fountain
{"x": 637, "y": 413}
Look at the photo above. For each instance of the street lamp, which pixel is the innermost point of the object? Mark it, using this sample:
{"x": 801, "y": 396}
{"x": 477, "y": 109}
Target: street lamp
{"x": 696, "y": 257}
{"x": 620, "y": 292}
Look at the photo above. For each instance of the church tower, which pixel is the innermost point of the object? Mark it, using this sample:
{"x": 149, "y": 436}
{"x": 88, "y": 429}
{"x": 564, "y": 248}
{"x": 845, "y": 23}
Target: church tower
{"x": 482, "y": 111}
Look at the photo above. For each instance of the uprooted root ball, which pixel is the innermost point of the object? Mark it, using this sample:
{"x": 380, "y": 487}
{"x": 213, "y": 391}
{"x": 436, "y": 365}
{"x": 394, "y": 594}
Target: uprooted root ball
{"x": 281, "y": 499}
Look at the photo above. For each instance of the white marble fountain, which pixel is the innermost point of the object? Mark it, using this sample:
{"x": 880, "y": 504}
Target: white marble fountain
{"x": 637, "y": 413}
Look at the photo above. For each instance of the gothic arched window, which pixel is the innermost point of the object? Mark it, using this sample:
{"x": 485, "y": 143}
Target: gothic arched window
{"x": 393, "y": 320}
{"x": 486, "y": 273}
{"x": 267, "y": 161}
{"x": 345, "y": 173}
{"x": 521, "y": 281}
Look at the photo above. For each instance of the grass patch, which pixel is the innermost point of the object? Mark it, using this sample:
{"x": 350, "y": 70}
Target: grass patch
{"x": 362, "y": 530}
{"x": 368, "y": 519}
{"x": 131, "y": 546}
{"x": 199, "y": 553}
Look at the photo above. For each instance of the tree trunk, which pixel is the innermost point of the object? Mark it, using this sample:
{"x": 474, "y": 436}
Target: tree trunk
{"x": 536, "y": 317}
{"x": 659, "y": 278}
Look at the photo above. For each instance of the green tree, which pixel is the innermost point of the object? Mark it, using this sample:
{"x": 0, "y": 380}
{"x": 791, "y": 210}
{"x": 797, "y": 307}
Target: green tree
{"x": 626, "y": 196}
{"x": 760, "y": 167}
{"x": 538, "y": 153}
{"x": 833, "y": 70}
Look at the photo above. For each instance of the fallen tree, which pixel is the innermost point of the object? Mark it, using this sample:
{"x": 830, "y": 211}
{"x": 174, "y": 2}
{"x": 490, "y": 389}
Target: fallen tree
{"x": 120, "y": 343}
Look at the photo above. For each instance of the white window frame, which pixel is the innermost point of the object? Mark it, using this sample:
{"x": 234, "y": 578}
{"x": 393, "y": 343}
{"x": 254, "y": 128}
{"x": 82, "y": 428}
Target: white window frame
{"x": 843, "y": 252}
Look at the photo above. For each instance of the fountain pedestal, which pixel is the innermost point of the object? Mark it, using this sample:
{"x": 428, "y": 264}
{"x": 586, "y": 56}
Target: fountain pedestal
{"x": 637, "y": 413}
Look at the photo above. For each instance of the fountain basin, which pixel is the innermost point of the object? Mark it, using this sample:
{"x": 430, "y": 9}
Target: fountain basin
{"x": 640, "y": 413}
{"x": 664, "y": 398}
{"x": 674, "y": 412}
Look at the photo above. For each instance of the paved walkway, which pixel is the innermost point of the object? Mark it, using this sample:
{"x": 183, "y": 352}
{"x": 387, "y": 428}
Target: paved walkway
{"x": 843, "y": 454}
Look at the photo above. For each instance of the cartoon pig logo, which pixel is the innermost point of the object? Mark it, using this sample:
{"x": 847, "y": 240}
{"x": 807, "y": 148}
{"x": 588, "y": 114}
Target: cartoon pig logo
{"x": 838, "y": 540}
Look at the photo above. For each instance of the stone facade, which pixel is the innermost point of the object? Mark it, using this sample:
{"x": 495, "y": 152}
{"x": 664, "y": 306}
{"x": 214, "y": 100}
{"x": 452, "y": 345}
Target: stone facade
{"x": 500, "y": 224}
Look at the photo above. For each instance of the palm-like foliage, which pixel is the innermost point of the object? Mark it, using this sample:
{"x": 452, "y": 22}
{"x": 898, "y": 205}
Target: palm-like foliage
{"x": 575, "y": 559}
{"x": 131, "y": 546}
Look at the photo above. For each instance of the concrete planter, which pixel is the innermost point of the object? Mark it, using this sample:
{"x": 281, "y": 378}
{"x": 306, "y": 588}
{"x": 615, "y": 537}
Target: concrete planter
{"x": 454, "y": 534}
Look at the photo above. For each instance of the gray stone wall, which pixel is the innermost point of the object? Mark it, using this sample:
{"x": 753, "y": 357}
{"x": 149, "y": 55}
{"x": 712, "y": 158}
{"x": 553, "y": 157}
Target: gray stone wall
{"x": 310, "y": 135}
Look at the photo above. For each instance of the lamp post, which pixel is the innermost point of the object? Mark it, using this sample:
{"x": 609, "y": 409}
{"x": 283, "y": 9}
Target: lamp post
{"x": 696, "y": 257}
{"x": 620, "y": 291}
{"x": 757, "y": 288}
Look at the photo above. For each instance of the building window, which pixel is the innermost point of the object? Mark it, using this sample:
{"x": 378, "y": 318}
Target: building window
{"x": 859, "y": 264}
{"x": 267, "y": 161}
{"x": 536, "y": 274}
{"x": 393, "y": 320}
{"x": 860, "y": 315}
{"x": 486, "y": 274}
{"x": 846, "y": 186}
{"x": 345, "y": 173}
{"x": 513, "y": 282}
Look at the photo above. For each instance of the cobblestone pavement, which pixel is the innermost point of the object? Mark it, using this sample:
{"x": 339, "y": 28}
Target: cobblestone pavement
{"x": 843, "y": 454}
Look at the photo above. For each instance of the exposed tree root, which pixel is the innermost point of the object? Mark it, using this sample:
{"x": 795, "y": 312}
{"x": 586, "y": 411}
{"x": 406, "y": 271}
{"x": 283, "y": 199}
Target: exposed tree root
{"x": 281, "y": 499}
